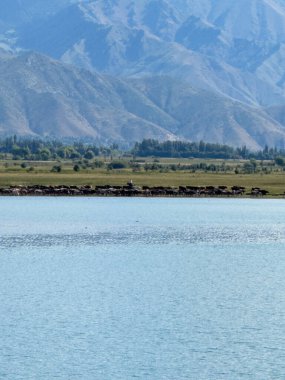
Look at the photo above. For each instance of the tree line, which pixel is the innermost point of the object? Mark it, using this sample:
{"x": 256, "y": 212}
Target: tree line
{"x": 44, "y": 150}
{"x": 182, "y": 149}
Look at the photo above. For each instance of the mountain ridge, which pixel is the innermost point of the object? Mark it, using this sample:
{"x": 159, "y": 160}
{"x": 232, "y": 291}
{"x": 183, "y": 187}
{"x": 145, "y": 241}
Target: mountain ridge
{"x": 218, "y": 45}
{"x": 43, "y": 97}
{"x": 231, "y": 53}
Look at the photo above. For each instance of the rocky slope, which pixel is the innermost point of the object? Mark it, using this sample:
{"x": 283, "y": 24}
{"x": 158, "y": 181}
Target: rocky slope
{"x": 236, "y": 48}
{"x": 43, "y": 97}
{"x": 39, "y": 96}
{"x": 229, "y": 55}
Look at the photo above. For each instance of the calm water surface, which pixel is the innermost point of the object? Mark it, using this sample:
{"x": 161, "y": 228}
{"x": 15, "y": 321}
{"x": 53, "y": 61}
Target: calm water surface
{"x": 142, "y": 289}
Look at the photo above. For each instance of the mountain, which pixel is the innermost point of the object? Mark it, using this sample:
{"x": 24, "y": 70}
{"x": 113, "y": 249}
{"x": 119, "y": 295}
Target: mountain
{"x": 43, "y": 97}
{"x": 235, "y": 48}
{"x": 18, "y": 12}
{"x": 206, "y": 116}
{"x": 277, "y": 113}
{"x": 221, "y": 62}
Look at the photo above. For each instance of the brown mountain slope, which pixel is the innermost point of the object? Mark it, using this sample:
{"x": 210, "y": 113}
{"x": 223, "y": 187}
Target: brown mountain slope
{"x": 43, "y": 97}
{"x": 39, "y": 96}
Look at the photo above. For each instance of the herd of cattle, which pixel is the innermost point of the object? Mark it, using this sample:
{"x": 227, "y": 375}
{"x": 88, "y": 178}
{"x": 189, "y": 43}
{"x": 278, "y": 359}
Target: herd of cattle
{"x": 131, "y": 190}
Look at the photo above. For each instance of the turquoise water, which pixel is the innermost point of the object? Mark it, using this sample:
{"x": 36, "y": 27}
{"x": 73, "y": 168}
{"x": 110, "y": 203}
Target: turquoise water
{"x": 102, "y": 288}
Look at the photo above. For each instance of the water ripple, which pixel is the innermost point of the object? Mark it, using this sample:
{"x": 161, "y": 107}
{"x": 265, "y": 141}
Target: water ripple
{"x": 149, "y": 235}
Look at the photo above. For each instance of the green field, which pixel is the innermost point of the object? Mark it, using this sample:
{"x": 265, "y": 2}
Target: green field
{"x": 11, "y": 173}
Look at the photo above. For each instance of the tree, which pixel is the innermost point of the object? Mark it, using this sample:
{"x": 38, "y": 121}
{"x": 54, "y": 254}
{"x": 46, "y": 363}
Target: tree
{"x": 44, "y": 154}
{"x": 280, "y": 161}
{"x": 89, "y": 155}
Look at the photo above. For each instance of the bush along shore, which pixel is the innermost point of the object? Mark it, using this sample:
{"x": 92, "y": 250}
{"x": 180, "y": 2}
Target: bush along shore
{"x": 130, "y": 190}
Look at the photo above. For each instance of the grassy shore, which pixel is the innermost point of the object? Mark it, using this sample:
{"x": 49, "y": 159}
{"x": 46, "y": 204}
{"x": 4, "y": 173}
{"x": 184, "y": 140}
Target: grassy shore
{"x": 12, "y": 174}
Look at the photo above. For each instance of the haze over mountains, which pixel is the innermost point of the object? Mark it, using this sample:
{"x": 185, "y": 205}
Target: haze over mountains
{"x": 123, "y": 70}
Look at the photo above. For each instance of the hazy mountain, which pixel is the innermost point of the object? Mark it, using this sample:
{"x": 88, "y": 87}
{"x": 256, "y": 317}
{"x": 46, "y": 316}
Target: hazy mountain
{"x": 231, "y": 47}
{"x": 18, "y": 12}
{"x": 277, "y": 113}
{"x": 43, "y": 97}
{"x": 39, "y": 96}
{"x": 229, "y": 55}
{"x": 209, "y": 117}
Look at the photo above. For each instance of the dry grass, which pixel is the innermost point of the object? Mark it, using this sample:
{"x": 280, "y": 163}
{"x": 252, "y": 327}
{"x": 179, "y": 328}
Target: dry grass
{"x": 274, "y": 182}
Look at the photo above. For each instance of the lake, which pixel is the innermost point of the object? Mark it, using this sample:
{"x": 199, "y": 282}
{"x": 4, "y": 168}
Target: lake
{"x": 105, "y": 288}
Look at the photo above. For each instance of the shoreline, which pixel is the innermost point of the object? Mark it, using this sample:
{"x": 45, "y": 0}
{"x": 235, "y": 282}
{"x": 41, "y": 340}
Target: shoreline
{"x": 131, "y": 190}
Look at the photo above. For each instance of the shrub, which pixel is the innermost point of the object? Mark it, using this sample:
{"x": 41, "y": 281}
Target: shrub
{"x": 89, "y": 155}
{"x": 56, "y": 169}
{"x": 98, "y": 164}
{"x": 117, "y": 165}
{"x": 280, "y": 161}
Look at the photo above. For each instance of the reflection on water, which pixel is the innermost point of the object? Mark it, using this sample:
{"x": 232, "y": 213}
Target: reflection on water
{"x": 151, "y": 236}
{"x": 142, "y": 288}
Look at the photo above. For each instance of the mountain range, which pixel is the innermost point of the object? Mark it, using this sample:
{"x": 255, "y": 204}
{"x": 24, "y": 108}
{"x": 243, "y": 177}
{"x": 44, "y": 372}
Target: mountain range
{"x": 122, "y": 70}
